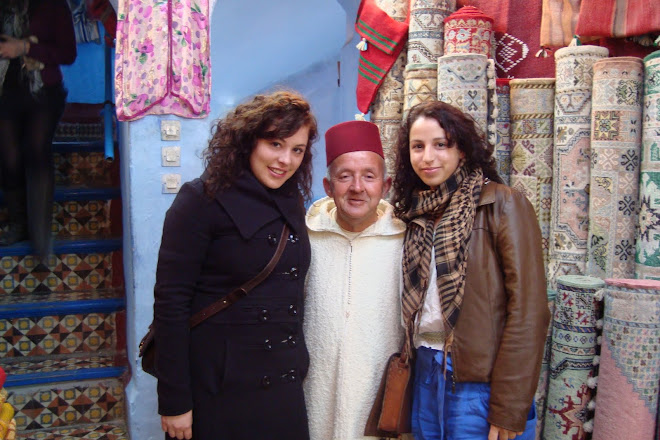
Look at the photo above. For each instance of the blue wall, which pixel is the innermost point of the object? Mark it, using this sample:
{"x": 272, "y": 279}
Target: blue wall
{"x": 299, "y": 44}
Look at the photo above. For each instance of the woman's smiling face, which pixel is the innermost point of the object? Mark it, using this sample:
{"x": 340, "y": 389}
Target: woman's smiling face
{"x": 274, "y": 161}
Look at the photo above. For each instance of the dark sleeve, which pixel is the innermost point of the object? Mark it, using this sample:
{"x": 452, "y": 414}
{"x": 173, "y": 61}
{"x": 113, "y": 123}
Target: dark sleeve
{"x": 518, "y": 362}
{"x": 186, "y": 237}
{"x": 63, "y": 49}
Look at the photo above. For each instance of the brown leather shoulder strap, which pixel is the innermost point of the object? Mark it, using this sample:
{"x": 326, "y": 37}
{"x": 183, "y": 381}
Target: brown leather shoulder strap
{"x": 242, "y": 291}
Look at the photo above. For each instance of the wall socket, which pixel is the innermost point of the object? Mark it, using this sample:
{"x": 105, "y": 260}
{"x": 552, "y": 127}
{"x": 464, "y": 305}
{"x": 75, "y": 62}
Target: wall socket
{"x": 171, "y": 156}
{"x": 170, "y": 130}
{"x": 171, "y": 183}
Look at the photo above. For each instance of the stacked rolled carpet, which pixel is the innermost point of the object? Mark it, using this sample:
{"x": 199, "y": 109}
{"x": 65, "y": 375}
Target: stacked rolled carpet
{"x": 532, "y": 140}
{"x": 573, "y": 347}
{"x": 503, "y": 129}
{"x": 387, "y": 108}
{"x": 421, "y": 85}
{"x": 647, "y": 253}
{"x": 464, "y": 81}
{"x": 569, "y": 224}
{"x": 469, "y": 30}
{"x": 629, "y": 372}
{"x": 615, "y": 155}
{"x": 426, "y": 32}
{"x": 542, "y": 388}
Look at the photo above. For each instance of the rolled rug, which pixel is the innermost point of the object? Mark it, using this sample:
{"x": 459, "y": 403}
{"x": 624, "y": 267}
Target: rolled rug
{"x": 573, "y": 347}
{"x": 421, "y": 85}
{"x": 542, "y": 388}
{"x": 503, "y": 129}
{"x": 387, "y": 108}
{"x": 469, "y": 30}
{"x": 647, "y": 252}
{"x": 569, "y": 222}
{"x": 616, "y": 139}
{"x": 532, "y": 143}
{"x": 558, "y": 22}
{"x": 427, "y": 30}
{"x": 629, "y": 372}
{"x": 464, "y": 81}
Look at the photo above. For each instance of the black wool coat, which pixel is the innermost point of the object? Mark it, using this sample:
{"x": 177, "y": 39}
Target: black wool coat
{"x": 240, "y": 371}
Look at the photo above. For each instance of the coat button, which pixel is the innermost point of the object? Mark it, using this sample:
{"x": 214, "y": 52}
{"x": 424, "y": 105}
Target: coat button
{"x": 291, "y": 340}
{"x": 268, "y": 345}
{"x": 264, "y": 315}
{"x": 292, "y": 375}
{"x": 265, "y": 382}
{"x": 293, "y": 310}
{"x": 272, "y": 239}
{"x": 294, "y": 273}
{"x": 293, "y": 238}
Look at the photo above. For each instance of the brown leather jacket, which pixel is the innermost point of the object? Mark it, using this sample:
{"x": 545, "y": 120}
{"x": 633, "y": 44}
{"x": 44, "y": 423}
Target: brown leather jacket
{"x": 500, "y": 333}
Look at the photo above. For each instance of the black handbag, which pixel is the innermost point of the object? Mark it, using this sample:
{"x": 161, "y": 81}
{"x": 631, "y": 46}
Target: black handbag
{"x": 147, "y": 347}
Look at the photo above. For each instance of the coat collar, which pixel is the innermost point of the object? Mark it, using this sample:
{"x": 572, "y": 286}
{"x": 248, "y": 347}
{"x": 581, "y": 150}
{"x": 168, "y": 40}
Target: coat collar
{"x": 251, "y": 206}
{"x": 487, "y": 193}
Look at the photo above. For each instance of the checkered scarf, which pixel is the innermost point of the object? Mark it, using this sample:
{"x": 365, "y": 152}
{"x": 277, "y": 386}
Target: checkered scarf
{"x": 455, "y": 201}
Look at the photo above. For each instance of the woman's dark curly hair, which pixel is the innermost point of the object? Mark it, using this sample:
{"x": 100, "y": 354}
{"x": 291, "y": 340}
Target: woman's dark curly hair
{"x": 278, "y": 115}
{"x": 460, "y": 130}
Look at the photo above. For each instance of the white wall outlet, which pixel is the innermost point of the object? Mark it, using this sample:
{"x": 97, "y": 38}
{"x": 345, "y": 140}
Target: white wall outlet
{"x": 170, "y": 130}
{"x": 171, "y": 183}
{"x": 171, "y": 156}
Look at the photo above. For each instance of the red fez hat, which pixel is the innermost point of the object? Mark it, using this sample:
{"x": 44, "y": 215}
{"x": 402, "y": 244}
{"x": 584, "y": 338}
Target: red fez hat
{"x": 352, "y": 136}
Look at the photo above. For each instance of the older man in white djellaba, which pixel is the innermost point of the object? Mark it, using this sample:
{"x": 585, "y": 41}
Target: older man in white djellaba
{"x": 352, "y": 307}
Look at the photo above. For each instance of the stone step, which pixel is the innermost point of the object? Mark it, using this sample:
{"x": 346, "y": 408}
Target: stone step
{"x": 105, "y": 431}
{"x": 75, "y": 265}
{"x": 66, "y": 404}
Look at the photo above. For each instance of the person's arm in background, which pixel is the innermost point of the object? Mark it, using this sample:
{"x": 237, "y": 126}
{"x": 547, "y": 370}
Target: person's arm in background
{"x": 63, "y": 49}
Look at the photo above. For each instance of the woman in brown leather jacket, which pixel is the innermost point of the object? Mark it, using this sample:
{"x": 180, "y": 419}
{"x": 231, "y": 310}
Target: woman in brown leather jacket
{"x": 474, "y": 292}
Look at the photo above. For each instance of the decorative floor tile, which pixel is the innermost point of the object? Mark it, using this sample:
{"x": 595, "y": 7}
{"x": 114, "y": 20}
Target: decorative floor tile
{"x": 51, "y": 335}
{"x": 79, "y": 219}
{"x": 60, "y": 363}
{"x": 78, "y": 168}
{"x": 101, "y": 432}
{"x": 59, "y": 273}
{"x": 35, "y": 298}
{"x": 67, "y": 404}
{"x": 79, "y": 132}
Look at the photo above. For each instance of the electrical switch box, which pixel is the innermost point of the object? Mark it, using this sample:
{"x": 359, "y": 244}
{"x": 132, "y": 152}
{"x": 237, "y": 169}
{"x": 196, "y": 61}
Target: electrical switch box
{"x": 171, "y": 183}
{"x": 170, "y": 130}
{"x": 171, "y": 156}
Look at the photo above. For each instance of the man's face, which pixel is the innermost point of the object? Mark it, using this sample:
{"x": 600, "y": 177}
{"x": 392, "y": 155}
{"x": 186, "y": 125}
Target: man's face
{"x": 356, "y": 184}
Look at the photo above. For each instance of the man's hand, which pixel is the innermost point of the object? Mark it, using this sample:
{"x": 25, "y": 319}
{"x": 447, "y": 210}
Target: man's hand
{"x": 179, "y": 427}
{"x": 497, "y": 433}
{"x": 12, "y": 47}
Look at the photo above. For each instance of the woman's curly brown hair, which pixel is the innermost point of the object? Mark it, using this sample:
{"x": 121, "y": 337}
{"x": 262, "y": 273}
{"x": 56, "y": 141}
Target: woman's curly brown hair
{"x": 460, "y": 130}
{"x": 278, "y": 115}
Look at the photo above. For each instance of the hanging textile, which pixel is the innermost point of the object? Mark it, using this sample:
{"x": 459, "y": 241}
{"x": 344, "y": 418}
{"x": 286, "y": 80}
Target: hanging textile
{"x": 469, "y": 30}
{"x": 616, "y": 137}
{"x": 569, "y": 222}
{"x": 618, "y": 18}
{"x": 464, "y": 81}
{"x": 503, "y": 129}
{"x": 629, "y": 371}
{"x": 387, "y": 108}
{"x": 647, "y": 254}
{"x": 516, "y": 42}
{"x": 558, "y": 22}
{"x": 87, "y": 30}
{"x": 162, "y": 63}
{"x": 426, "y": 33}
{"x": 542, "y": 388}
{"x": 532, "y": 145}
{"x": 573, "y": 347}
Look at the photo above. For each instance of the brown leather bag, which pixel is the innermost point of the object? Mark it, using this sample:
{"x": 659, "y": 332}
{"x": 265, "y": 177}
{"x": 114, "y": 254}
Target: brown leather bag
{"x": 391, "y": 412}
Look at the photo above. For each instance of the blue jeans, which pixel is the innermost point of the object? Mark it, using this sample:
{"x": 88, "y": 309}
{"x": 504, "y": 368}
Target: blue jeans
{"x": 439, "y": 413}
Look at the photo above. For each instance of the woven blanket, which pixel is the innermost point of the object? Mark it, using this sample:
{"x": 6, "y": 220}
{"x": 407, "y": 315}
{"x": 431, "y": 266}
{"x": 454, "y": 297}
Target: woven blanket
{"x": 427, "y": 29}
{"x": 569, "y": 224}
{"x": 420, "y": 85}
{"x": 647, "y": 253}
{"x": 503, "y": 130}
{"x": 616, "y": 138}
{"x": 532, "y": 112}
{"x": 541, "y": 393}
{"x": 159, "y": 68}
{"x": 558, "y": 22}
{"x": 573, "y": 347}
{"x": 516, "y": 42}
{"x": 387, "y": 108}
{"x": 629, "y": 372}
{"x": 463, "y": 81}
{"x": 618, "y": 18}
{"x": 469, "y": 30}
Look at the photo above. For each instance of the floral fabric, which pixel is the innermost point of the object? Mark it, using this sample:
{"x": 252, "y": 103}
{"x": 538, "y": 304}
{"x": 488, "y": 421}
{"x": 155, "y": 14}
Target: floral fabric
{"x": 162, "y": 61}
